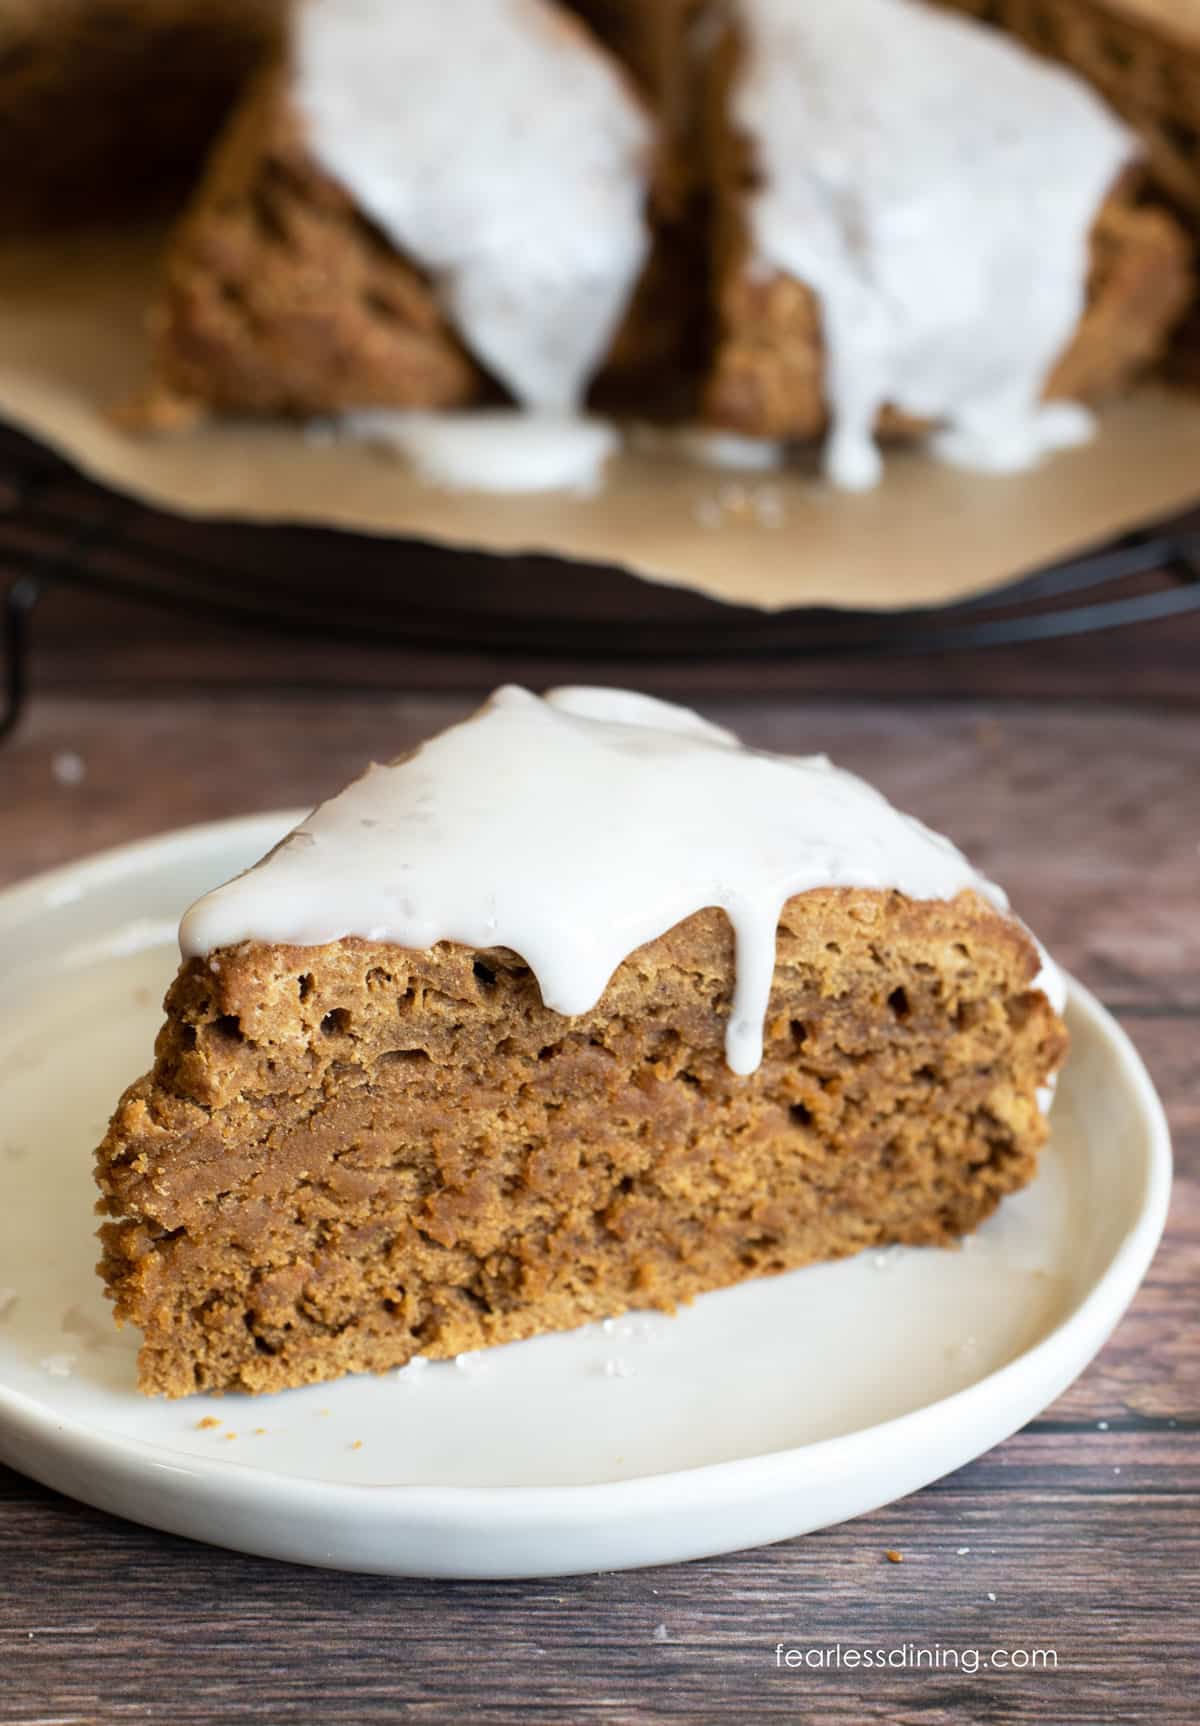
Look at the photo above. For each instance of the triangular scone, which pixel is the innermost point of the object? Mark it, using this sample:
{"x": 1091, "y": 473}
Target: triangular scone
{"x": 282, "y": 295}
{"x": 279, "y": 296}
{"x": 770, "y": 369}
{"x": 354, "y": 1150}
{"x": 1144, "y": 58}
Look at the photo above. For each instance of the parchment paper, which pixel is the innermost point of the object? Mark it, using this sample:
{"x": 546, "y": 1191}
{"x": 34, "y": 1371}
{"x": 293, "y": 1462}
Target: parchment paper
{"x": 72, "y": 345}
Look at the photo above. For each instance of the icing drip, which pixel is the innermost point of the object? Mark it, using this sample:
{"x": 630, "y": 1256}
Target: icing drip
{"x": 934, "y": 183}
{"x": 573, "y": 829}
{"x": 494, "y": 450}
{"x": 494, "y": 143}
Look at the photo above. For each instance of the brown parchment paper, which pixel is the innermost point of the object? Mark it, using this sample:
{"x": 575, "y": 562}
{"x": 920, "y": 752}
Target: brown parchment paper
{"x": 72, "y": 345}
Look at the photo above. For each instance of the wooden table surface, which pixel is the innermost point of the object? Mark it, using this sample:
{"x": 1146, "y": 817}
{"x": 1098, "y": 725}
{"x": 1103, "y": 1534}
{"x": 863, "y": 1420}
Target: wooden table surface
{"x": 1083, "y": 1530}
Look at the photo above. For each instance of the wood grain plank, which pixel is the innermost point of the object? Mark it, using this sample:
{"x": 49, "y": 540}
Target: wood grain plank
{"x": 1076, "y": 1563}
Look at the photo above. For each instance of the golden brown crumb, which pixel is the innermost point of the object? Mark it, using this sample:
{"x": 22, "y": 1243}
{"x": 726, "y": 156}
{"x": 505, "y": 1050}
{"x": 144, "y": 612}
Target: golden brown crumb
{"x": 207, "y": 1424}
{"x": 349, "y": 1155}
{"x": 278, "y": 297}
{"x": 894, "y": 1557}
{"x": 357, "y": 1445}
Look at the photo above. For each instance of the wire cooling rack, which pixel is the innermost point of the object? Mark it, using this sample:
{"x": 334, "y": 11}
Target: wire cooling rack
{"x": 58, "y": 528}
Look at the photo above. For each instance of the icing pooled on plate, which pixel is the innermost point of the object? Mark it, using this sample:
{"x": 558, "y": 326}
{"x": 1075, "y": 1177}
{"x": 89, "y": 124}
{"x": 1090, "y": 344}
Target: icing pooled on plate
{"x": 493, "y": 449}
{"x": 573, "y": 829}
{"x": 498, "y": 146}
{"x": 934, "y": 183}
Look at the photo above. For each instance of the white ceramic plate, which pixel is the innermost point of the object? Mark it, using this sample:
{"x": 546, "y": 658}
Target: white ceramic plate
{"x": 759, "y": 1413}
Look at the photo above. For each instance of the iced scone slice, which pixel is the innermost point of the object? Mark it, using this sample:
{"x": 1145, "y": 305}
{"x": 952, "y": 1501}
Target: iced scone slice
{"x": 423, "y": 207}
{"x": 922, "y": 226}
{"x": 580, "y": 1006}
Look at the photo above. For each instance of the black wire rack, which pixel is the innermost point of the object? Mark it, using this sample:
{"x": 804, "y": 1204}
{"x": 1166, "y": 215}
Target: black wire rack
{"x": 59, "y": 529}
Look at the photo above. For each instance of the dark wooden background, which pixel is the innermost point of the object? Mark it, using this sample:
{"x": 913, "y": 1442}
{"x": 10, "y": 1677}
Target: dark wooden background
{"x": 1072, "y": 773}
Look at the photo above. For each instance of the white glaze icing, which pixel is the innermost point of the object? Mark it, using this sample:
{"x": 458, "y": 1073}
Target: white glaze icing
{"x": 934, "y": 183}
{"x": 509, "y": 451}
{"x": 498, "y": 450}
{"x": 727, "y": 452}
{"x": 731, "y": 453}
{"x": 494, "y": 143}
{"x": 573, "y": 829}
